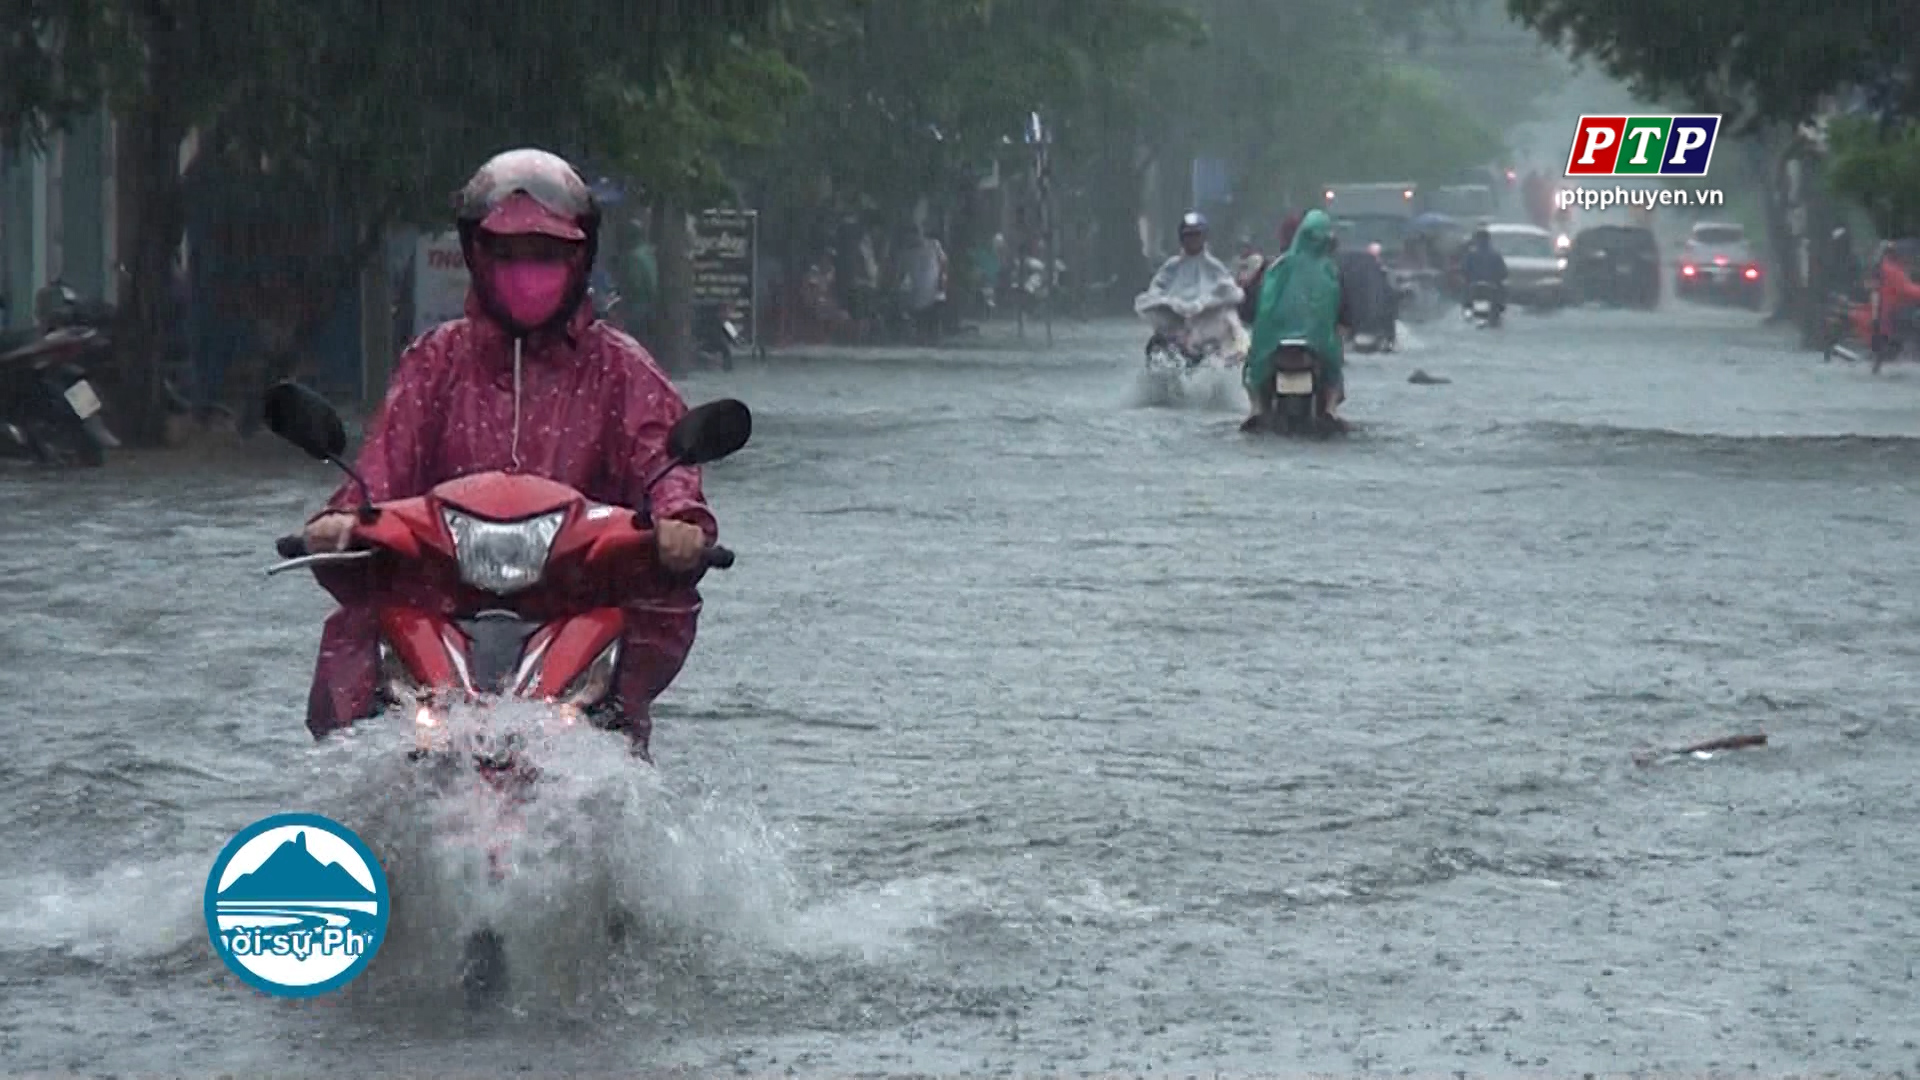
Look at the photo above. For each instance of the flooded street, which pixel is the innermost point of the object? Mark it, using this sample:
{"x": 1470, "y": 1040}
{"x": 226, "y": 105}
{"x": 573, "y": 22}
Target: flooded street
{"x": 1037, "y": 730}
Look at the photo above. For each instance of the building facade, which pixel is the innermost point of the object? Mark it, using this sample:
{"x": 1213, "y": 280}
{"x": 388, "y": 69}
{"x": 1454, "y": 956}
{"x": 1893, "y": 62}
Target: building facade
{"x": 57, "y": 209}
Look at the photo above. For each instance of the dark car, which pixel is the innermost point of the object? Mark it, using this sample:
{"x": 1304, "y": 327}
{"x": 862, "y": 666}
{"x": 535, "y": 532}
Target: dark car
{"x": 1617, "y": 265}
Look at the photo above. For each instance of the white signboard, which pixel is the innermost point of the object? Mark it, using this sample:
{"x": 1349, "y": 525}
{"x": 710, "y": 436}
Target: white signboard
{"x": 439, "y": 281}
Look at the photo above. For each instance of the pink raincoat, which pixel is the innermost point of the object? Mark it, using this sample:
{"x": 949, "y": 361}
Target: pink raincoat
{"x": 587, "y": 407}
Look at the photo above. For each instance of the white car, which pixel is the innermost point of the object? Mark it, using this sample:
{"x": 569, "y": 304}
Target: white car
{"x": 1718, "y": 263}
{"x": 1535, "y": 268}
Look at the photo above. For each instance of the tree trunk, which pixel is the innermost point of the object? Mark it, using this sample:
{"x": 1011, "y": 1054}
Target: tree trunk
{"x": 674, "y": 254}
{"x": 1789, "y": 290}
{"x": 1826, "y": 276}
{"x": 155, "y": 131}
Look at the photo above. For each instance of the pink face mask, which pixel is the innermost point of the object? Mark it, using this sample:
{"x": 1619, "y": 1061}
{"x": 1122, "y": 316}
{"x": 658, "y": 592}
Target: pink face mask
{"x": 531, "y": 292}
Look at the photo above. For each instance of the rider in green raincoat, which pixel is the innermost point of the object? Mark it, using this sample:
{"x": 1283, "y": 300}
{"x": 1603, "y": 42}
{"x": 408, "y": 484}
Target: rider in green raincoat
{"x": 1300, "y": 298}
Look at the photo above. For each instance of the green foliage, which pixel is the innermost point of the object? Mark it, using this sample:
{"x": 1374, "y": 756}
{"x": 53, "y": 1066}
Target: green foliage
{"x": 1880, "y": 170}
{"x": 1761, "y": 59}
{"x": 674, "y": 135}
{"x": 908, "y": 96}
{"x": 1298, "y": 95}
{"x": 1416, "y": 130}
{"x": 387, "y": 107}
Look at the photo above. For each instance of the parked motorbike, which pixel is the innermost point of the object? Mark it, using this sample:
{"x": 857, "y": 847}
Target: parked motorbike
{"x": 1483, "y": 305}
{"x": 1294, "y": 400}
{"x": 1852, "y": 330}
{"x": 493, "y": 586}
{"x": 49, "y": 410}
{"x": 716, "y": 334}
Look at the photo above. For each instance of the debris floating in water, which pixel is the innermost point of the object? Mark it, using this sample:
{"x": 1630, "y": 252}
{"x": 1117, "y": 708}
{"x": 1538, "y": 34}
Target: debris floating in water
{"x": 1421, "y": 378}
{"x": 1701, "y": 751}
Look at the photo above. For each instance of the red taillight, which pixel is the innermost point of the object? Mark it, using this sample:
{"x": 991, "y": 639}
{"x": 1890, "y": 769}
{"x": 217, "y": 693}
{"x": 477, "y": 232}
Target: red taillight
{"x": 1753, "y": 273}
{"x": 1719, "y": 260}
{"x": 1686, "y": 271}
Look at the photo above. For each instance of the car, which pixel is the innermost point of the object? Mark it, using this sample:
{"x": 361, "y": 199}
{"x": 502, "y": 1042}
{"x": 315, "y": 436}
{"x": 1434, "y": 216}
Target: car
{"x": 1535, "y": 271}
{"x": 1717, "y": 263}
{"x": 1617, "y": 265}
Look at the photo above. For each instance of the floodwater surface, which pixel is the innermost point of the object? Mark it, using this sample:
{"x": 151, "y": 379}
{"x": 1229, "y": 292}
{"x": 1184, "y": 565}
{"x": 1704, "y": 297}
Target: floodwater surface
{"x": 1041, "y": 729}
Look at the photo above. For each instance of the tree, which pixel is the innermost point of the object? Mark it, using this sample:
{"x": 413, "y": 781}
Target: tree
{"x": 1768, "y": 62}
{"x": 1880, "y": 170}
{"x": 378, "y": 109}
{"x": 1293, "y": 96}
{"x": 673, "y": 138}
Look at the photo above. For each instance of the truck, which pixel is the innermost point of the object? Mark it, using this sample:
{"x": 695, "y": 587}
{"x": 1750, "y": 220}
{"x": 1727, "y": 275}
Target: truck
{"x": 1385, "y": 200}
{"x": 1368, "y": 214}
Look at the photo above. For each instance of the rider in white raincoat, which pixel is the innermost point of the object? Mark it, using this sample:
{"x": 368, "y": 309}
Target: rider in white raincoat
{"x": 1193, "y": 299}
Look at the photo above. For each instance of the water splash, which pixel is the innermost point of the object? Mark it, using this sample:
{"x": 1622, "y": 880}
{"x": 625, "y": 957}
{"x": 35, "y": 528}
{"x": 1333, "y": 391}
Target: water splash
{"x": 602, "y": 860}
{"x": 119, "y": 914}
{"x": 1207, "y": 389}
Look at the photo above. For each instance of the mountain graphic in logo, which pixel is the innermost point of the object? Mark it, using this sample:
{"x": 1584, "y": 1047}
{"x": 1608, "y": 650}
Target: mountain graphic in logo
{"x": 292, "y": 873}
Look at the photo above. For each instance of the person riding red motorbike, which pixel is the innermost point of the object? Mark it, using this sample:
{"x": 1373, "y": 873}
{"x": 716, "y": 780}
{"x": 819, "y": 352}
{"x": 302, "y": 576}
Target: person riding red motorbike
{"x": 530, "y": 381}
{"x": 1895, "y": 297}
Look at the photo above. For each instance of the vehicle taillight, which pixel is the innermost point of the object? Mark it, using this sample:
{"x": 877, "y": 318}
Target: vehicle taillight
{"x": 1687, "y": 271}
{"x": 1719, "y": 260}
{"x": 1753, "y": 273}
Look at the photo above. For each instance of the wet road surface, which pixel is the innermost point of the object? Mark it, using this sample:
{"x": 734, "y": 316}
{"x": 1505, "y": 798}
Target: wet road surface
{"x": 1036, "y": 730}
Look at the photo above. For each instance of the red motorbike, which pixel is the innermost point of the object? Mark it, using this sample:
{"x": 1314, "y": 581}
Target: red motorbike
{"x": 494, "y": 586}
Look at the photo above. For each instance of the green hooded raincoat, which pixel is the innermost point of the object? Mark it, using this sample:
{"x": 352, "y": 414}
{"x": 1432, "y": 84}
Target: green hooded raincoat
{"x": 1300, "y": 298}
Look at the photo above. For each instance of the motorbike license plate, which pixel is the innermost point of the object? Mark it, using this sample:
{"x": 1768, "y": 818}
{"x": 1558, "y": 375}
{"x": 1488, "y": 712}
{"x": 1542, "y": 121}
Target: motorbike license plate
{"x": 84, "y": 401}
{"x": 1363, "y": 340}
{"x": 1296, "y": 383}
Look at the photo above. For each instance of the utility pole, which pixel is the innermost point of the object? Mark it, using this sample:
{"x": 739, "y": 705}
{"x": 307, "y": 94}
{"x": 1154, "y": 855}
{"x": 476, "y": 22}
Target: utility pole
{"x": 1040, "y": 139}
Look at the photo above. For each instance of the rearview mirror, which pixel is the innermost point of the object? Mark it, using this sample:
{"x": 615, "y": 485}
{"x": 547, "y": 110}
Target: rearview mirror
{"x": 710, "y": 432}
{"x": 307, "y": 420}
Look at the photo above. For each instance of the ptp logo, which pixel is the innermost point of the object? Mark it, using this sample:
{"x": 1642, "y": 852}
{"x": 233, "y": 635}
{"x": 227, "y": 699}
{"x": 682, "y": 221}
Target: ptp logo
{"x": 1642, "y": 146}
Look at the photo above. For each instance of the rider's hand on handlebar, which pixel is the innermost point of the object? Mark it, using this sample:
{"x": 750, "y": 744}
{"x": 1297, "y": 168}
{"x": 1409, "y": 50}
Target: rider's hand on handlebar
{"x": 329, "y": 532}
{"x": 682, "y": 545}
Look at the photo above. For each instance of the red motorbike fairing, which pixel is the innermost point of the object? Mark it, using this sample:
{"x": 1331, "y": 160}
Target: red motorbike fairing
{"x": 596, "y": 559}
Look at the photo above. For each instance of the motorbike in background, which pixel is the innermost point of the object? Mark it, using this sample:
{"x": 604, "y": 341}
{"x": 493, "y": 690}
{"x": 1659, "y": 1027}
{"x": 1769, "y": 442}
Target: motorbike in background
{"x": 49, "y": 409}
{"x": 1294, "y": 400}
{"x": 1190, "y": 334}
{"x": 716, "y": 333}
{"x": 1853, "y": 330}
{"x": 1483, "y": 307}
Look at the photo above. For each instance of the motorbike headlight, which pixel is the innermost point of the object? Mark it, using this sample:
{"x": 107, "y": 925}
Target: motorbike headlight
{"x": 502, "y": 557}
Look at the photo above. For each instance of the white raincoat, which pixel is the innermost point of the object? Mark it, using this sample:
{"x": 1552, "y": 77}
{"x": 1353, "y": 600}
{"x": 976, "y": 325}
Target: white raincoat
{"x": 1195, "y": 296}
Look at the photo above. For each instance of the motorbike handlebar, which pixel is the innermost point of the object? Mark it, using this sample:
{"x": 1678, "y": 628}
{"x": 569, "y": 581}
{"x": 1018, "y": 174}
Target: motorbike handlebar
{"x": 717, "y": 557}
